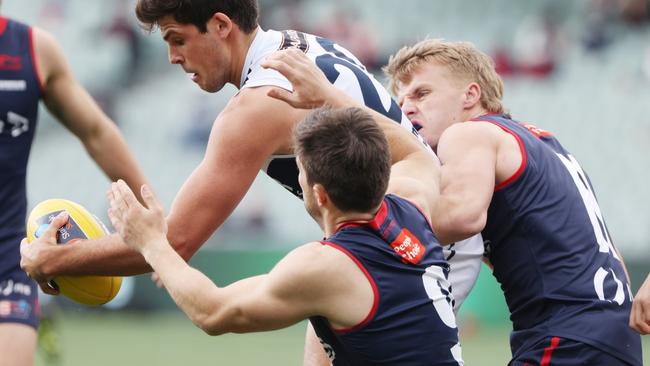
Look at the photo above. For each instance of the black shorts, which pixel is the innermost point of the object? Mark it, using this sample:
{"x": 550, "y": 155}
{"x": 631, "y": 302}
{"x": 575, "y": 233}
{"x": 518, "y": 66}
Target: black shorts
{"x": 19, "y": 299}
{"x": 556, "y": 351}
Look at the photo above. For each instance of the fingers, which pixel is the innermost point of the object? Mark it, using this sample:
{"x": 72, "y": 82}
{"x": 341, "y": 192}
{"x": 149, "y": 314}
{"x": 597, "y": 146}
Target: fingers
{"x": 115, "y": 221}
{"x": 640, "y": 317}
{"x": 156, "y": 279}
{"x": 49, "y": 289}
{"x": 49, "y": 234}
{"x": 127, "y": 195}
{"x": 150, "y": 198}
{"x": 284, "y": 96}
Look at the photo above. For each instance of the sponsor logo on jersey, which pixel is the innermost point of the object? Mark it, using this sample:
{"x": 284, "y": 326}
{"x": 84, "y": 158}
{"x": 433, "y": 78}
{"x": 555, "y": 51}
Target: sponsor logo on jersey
{"x": 10, "y": 287}
{"x": 10, "y": 63}
{"x": 13, "y": 85}
{"x": 294, "y": 39}
{"x": 407, "y": 246}
{"x": 15, "y": 309}
{"x": 538, "y": 132}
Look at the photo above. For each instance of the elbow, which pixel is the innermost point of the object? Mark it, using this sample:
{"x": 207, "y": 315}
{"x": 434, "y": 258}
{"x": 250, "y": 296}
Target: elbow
{"x": 209, "y": 327}
{"x": 215, "y": 323}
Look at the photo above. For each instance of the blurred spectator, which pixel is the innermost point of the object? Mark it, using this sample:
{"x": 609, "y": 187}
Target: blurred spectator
{"x": 346, "y": 28}
{"x": 122, "y": 26}
{"x": 538, "y": 44}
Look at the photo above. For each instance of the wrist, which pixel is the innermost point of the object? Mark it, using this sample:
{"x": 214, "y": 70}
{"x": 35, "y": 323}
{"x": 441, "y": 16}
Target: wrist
{"x": 154, "y": 249}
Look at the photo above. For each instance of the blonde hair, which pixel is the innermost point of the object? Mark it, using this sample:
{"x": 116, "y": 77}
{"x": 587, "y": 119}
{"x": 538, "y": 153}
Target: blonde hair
{"x": 463, "y": 60}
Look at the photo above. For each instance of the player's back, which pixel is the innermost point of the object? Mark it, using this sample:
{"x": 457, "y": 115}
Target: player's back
{"x": 19, "y": 97}
{"x": 552, "y": 253}
{"x": 412, "y": 320}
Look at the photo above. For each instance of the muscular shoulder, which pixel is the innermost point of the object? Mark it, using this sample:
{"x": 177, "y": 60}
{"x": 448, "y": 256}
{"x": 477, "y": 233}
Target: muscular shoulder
{"x": 49, "y": 55}
{"x": 254, "y": 120}
{"x": 464, "y": 135}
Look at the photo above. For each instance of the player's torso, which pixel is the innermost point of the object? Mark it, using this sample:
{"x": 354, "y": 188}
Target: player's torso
{"x": 551, "y": 251}
{"x": 19, "y": 97}
{"x": 412, "y": 321}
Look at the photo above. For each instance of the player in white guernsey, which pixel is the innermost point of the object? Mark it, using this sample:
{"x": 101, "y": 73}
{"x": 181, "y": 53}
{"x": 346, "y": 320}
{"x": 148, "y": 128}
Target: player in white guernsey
{"x": 220, "y": 42}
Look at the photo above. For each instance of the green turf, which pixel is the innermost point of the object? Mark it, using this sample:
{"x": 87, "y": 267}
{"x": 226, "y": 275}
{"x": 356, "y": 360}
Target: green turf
{"x": 161, "y": 339}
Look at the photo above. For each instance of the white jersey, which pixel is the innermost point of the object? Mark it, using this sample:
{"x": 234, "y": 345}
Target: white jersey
{"x": 345, "y": 71}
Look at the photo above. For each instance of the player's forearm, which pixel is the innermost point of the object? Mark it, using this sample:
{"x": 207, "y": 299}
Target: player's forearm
{"x": 191, "y": 290}
{"x": 104, "y": 256}
{"x": 110, "y": 151}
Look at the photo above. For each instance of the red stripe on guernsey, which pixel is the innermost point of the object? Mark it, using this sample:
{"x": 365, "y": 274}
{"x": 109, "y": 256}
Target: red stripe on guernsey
{"x": 375, "y": 223}
{"x": 522, "y": 150}
{"x": 33, "y": 54}
{"x": 3, "y": 24}
{"x": 380, "y": 217}
{"x": 375, "y": 301}
{"x": 548, "y": 351}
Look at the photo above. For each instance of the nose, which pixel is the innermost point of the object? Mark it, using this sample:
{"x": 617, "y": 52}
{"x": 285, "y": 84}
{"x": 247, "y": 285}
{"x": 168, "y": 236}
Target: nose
{"x": 409, "y": 108}
{"x": 174, "y": 57}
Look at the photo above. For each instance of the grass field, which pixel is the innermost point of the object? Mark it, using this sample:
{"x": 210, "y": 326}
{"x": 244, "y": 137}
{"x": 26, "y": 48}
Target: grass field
{"x": 161, "y": 339}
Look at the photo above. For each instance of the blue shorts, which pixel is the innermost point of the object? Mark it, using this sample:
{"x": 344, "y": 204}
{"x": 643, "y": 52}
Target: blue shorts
{"x": 556, "y": 351}
{"x": 19, "y": 299}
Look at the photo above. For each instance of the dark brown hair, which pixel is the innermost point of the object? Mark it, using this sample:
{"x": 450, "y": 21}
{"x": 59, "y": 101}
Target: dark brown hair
{"x": 244, "y": 13}
{"x": 346, "y": 152}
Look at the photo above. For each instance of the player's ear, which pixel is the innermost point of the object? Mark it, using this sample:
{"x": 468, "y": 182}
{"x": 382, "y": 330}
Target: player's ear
{"x": 320, "y": 194}
{"x": 220, "y": 24}
{"x": 472, "y": 95}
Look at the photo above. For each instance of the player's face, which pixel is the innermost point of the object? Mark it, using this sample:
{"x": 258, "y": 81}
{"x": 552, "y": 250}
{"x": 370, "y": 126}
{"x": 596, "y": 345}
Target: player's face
{"x": 432, "y": 100}
{"x": 202, "y": 55}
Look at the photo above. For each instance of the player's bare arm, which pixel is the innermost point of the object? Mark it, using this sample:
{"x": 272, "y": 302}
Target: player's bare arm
{"x": 415, "y": 171}
{"x": 233, "y": 158}
{"x": 475, "y": 157}
{"x": 78, "y": 112}
{"x": 291, "y": 292}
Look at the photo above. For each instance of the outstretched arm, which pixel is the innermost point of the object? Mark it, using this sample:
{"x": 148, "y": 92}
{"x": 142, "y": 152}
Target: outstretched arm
{"x": 291, "y": 292}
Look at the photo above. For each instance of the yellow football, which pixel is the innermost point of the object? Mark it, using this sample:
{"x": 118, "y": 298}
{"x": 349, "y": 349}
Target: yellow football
{"x": 87, "y": 290}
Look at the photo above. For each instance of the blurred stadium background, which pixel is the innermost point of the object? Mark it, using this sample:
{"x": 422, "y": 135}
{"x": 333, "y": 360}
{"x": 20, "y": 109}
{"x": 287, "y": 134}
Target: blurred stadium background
{"x": 578, "y": 68}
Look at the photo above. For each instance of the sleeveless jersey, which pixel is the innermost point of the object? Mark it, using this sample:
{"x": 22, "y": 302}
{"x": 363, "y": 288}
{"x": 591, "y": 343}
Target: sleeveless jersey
{"x": 411, "y": 321}
{"x": 345, "y": 71}
{"x": 552, "y": 253}
{"x": 19, "y": 96}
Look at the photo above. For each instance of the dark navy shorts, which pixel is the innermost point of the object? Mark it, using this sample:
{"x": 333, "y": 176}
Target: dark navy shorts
{"x": 556, "y": 351}
{"x": 19, "y": 299}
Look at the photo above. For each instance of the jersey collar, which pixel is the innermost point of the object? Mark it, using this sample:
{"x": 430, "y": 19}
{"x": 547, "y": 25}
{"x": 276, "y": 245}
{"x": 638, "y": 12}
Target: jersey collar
{"x": 3, "y": 24}
{"x": 251, "y": 55}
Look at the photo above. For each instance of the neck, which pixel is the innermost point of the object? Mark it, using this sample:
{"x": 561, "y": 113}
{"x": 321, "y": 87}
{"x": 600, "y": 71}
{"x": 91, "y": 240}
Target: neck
{"x": 474, "y": 112}
{"x": 333, "y": 220}
{"x": 243, "y": 43}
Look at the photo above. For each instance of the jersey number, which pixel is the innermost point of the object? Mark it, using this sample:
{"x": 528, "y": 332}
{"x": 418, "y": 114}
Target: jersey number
{"x": 16, "y": 124}
{"x": 600, "y": 231}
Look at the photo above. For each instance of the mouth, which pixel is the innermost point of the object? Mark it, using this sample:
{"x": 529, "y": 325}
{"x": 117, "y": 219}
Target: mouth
{"x": 416, "y": 125}
{"x": 194, "y": 76}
